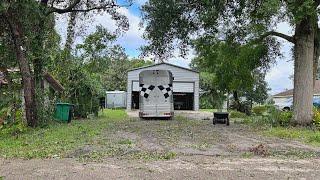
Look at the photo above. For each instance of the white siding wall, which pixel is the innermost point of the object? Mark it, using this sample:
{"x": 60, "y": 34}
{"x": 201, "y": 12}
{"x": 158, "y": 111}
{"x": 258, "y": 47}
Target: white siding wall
{"x": 187, "y": 87}
{"x": 184, "y": 80}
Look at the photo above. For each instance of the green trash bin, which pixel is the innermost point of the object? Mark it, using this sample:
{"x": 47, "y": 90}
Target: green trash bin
{"x": 64, "y": 112}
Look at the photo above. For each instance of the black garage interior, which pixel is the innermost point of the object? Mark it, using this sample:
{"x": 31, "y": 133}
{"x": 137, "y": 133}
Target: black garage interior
{"x": 135, "y": 100}
{"x": 183, "y": 101}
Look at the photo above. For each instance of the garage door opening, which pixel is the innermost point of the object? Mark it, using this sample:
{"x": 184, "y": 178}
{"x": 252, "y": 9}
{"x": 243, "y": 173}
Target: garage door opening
{"x": 135, "y": 100}
{"x": 183, "y": 101}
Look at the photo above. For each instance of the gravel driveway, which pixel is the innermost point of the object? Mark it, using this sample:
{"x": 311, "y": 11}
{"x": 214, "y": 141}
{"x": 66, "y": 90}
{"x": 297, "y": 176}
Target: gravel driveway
{"x": 175, "y": 149}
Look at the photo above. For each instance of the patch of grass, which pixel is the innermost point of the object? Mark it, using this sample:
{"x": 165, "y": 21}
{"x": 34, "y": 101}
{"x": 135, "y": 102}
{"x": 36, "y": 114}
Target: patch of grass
{"x": 295, "y": 154}
{"x": 237, "y": 114}
{"x": 209, "y": 110}
{"x": 201, "y": 146}
{"x": 125, "y": 141}
{"x": 120, "y": 152}
{"x": 57, "y": 139}
{"x": 301, "y": 134}
{"x": 247, "y": 155}
{"x": 153, "y": 155}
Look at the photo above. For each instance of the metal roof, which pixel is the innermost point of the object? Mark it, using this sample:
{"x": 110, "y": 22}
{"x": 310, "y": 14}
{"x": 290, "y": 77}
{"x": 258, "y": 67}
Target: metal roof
{"x": 166, "y": 64}
{"x": 115, "y": 92}
{"x": 289, "y": 93}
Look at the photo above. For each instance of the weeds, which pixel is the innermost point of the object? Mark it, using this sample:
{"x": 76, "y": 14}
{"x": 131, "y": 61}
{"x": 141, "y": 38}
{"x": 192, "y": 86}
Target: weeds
{"x": 56, "y": 139}
{"x": 294, "y": 154}
{"x": 302, "y": 134}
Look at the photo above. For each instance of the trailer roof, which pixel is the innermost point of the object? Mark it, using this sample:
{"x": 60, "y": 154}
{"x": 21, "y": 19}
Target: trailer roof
{"x": 166, "y": 64}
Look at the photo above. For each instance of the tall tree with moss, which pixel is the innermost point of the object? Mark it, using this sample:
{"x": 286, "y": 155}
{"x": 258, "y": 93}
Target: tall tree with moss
{"x": 173, "y": 23}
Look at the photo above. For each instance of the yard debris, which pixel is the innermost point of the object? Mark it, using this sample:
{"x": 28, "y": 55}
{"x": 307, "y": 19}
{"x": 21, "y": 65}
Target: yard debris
{"x": 260, "y": 150}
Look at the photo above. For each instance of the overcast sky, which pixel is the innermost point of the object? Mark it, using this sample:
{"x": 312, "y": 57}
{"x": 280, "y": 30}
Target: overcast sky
{"x": 277, "y": 77}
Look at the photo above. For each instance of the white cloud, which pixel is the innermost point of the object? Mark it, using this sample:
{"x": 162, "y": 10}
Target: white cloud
{"x": 131, "y": 40}
{"x": 278, "y": 76}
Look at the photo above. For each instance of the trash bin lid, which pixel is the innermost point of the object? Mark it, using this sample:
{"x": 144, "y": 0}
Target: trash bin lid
{"x": 65, "y": 104}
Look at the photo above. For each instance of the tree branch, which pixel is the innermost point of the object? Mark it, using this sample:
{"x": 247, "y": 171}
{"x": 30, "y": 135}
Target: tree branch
{"x": 67, "y": 9}
{"x": 281, "y": 35}
{"x": 71, "y": 7}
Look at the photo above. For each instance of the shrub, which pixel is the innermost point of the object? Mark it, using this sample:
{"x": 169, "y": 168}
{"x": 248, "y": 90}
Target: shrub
{"x": 16, "y": 127}
{"x": 272, "y": 117}
{"x": 237, "y": 114}
{"x": 316, "y": 117}
{"x": 259, "y": 110}
{"x": 284, "y": 118}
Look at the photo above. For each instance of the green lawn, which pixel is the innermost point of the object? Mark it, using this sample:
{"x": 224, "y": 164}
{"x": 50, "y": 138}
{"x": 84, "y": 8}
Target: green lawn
{"x": 301, "y": 134}
{"x": 212, "y": 110}
{"x": 58, "y": 138}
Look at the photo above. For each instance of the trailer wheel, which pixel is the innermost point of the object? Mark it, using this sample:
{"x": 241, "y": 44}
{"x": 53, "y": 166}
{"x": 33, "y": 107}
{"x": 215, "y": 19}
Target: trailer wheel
{"x": 228, "y": 122}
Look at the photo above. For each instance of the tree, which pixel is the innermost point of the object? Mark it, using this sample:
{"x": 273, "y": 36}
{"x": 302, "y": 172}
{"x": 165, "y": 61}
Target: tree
{"x": 25, "y": 22}
{"x": 177, "y": 22}
{"x": 226, "y": 69}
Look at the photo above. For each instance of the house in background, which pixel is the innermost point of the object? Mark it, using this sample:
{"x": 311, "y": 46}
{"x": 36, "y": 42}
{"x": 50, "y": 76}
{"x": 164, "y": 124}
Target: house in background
{"x": 284, "y": 100}
{"x": 185, "y": 86}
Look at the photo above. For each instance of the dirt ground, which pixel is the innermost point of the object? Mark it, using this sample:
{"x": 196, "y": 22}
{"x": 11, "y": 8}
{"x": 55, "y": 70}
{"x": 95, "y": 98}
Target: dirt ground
{"x": 183, "y": 148}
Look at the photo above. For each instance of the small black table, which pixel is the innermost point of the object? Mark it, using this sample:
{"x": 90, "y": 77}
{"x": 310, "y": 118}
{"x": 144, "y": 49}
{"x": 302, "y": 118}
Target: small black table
{"x": 221, "y": 117}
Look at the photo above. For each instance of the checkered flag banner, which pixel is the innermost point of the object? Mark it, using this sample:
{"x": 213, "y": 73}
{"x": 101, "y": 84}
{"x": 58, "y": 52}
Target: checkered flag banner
{"x": 166, "y": 90}
{"x": 145, "y": 90}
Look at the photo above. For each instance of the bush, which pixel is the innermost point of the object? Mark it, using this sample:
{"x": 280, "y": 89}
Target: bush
{"x": 316, "y": 117}
{"x": 237, "y": 114}
{"x": 259, "y": 110}
{"x": 284, "y": 118}
{"x": 272, "y": 117}
{"x": 16, "y": 127}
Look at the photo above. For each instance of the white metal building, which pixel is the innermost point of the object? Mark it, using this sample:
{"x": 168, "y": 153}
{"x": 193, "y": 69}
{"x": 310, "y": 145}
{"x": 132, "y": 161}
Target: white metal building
{"x": 185, "y": 86}
{"x": 115, "y": 99}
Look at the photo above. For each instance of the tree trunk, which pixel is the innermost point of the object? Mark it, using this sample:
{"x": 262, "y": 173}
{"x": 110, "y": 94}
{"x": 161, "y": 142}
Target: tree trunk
{"x": 27, "y": 79}
{"x": 236, "y": 101}
{"x": 316, "y": 58}
{"x": 303, "y": 72}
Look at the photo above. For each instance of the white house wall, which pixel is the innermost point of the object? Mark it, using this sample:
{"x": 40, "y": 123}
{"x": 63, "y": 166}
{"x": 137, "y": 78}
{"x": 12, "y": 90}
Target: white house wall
{"x": 184, "y": 81}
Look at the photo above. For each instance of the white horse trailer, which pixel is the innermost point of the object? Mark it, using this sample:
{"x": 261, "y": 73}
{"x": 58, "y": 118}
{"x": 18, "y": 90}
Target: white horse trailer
{"x": 156, "y": 94}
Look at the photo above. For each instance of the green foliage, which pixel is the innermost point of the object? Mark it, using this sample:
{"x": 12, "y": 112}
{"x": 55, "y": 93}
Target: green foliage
{"x": 84, "y": 90}
{"x": 237, "y": 114}
{"x": 14, "y": 127}
{"x": 284, "y": 118}
{"x": 101, "y": 66}
{"x": 57, "y": 139}
{"x": 212, "y": 97}
{"x": 259, "y": 110}
{"x": 316, "y": 117}
{"x": 269, "y": 116}
{"x": 302, "y": 134}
